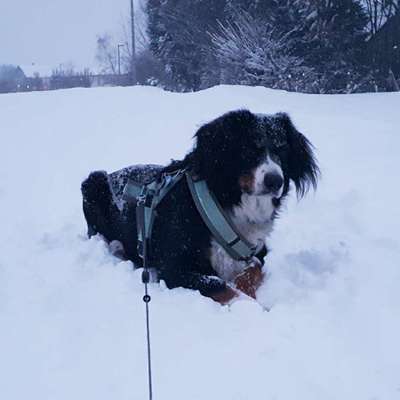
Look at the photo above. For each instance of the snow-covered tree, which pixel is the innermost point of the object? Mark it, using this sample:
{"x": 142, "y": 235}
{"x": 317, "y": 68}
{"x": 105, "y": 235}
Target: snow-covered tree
{"x": 378, "y": 11}
{"x": 330, "y": 27}
{"x": 293, "y": 44}
{"x": 106, "y": 54}
{"x": 333, "y": 34}
{"x": 253, "y": 52}
{"x": 178, "y": 33}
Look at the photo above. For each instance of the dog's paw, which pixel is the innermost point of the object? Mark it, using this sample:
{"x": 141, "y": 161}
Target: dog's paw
{"x": 225, "y": 296}
{"x": 117, "y": 249}
{"x": 250, "y": 280}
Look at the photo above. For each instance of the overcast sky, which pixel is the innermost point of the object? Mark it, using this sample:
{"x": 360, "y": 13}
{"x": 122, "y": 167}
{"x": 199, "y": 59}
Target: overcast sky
{"x": 50, "y": 32}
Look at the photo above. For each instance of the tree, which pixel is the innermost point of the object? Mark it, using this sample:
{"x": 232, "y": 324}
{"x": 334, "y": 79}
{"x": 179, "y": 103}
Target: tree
{"x": 141, "y": 45}
{"x": 106, "y": 54}
{"x": 149, "y": 70}
{"x": 332, "y": 28}
{"x": 178, "y": 33}
{"x": 333, "y": 35}
{"x": 295, "y": 44}
{"x": 378, "y": 11}
{"x": 253, "y": 52}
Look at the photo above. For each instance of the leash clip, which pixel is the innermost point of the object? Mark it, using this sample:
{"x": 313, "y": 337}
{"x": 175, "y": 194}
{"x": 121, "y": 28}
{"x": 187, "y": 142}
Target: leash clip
{"x": 146, "y": 198}
{"x": 141, "y": 199}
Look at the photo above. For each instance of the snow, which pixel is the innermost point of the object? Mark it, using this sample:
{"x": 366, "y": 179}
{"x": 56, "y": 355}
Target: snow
{"x": 72, "y": 317}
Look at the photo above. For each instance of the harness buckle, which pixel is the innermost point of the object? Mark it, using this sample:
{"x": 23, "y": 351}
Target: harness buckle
{"x": 141, "y": 200}
{"x": 145, "y": 198}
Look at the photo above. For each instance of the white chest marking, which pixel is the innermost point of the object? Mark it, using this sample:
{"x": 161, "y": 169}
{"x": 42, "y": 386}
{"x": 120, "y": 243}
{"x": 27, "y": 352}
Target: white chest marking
{"x": 253, "y": 219}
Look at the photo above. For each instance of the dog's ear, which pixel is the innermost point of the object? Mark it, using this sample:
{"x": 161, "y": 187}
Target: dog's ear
{"x": 218, "y": 140}
{"x": 302, "y": 166}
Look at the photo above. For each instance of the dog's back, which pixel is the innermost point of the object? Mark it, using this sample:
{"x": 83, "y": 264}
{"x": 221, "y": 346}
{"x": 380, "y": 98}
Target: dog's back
{"x": 105, "y": 210}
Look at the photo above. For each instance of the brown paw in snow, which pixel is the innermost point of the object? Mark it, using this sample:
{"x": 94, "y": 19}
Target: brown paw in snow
{"x": 225, "y": 296}
{"x": 250, "y": 280}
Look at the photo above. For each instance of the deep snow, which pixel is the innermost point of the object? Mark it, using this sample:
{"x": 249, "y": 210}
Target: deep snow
{"x": 71, "y": 315}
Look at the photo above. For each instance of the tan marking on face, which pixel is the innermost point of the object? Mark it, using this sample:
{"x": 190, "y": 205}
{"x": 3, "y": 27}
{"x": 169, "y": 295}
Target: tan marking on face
{"x": 246, "y": 182}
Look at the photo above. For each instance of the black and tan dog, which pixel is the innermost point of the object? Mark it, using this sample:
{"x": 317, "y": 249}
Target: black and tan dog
{"x": 248, "y": 161}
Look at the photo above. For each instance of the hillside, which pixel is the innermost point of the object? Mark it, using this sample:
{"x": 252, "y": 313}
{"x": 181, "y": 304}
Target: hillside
{"x": 71, "y": 315}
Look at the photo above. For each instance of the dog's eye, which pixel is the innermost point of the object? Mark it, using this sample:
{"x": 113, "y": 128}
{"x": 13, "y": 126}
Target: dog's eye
{"x": 275, "y": 158}
{"x": 281, "y": 150}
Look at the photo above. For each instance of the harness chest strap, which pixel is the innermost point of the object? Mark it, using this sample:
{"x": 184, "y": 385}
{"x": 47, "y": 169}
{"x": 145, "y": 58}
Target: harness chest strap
{"x": 218, "y": 222}
{"x": 215, "y": 218}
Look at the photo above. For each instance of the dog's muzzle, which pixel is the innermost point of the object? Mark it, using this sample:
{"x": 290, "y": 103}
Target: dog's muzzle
{"x": 273, "y": 183}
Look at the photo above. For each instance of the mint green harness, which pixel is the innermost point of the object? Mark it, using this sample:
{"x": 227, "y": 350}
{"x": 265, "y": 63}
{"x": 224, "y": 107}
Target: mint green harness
{"x": 148, "y": 197}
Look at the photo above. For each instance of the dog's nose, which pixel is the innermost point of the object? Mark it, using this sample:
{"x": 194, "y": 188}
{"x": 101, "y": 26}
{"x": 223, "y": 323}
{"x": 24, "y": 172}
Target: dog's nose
{"x": 273, "y": 182}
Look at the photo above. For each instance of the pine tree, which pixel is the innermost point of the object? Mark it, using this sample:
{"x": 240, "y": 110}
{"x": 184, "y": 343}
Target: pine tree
{"x": 178, "y": 31}
{"x": 333, "y": 33}
{"x": 317, "y": 41}
{"x": 253, "y": 52}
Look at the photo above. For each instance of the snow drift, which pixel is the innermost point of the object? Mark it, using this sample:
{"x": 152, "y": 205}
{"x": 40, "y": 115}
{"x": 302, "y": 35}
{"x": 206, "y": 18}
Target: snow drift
{"x": 71, "y": 315}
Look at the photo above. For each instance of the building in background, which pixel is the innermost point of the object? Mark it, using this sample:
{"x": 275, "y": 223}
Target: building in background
{"x": 12, "y": 78}
{"x": 38, "y": 76}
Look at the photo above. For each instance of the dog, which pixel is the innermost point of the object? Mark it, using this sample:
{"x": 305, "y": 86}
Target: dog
{"x": 248, "y": 161}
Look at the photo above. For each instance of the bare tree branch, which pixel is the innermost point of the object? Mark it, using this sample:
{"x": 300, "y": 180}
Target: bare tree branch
{"x": 106, "y": 54}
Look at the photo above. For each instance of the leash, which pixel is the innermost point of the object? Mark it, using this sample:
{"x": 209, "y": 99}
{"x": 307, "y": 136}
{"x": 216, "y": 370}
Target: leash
{"x": 148, "y": 197}
{"x": 142, "y": 250}
{"x": 147, "y": 299}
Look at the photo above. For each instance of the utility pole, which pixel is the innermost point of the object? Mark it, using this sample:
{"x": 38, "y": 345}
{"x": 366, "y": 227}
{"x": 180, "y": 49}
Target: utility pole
{"x": 119, "y": 58}
{"x": 133, "y": 59}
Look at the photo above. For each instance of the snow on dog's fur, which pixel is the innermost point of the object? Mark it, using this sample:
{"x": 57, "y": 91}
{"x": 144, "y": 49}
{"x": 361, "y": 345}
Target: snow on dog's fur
{"x": 248, "y": 161}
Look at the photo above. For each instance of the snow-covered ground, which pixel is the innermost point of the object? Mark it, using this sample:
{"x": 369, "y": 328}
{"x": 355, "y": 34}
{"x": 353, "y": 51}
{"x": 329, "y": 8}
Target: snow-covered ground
{"x": 71, "y": 315}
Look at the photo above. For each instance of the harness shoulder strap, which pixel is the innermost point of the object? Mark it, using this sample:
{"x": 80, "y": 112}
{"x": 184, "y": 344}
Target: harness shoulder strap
{"x": 147, "y": 198}
{"x": 218, "y": 222}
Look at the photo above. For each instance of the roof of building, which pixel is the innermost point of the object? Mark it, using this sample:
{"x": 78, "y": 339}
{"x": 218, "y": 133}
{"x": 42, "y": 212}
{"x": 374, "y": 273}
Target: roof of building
{"x": 11, "y": 72}
{"x": 32, "y": 70}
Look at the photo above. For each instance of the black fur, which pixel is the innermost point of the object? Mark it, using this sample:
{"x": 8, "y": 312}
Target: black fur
{"x": 226, "y": 148}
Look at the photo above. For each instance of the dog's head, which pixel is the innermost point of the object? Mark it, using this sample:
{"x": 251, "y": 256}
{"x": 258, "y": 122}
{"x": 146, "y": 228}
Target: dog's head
{"x": 257, "y": 154}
